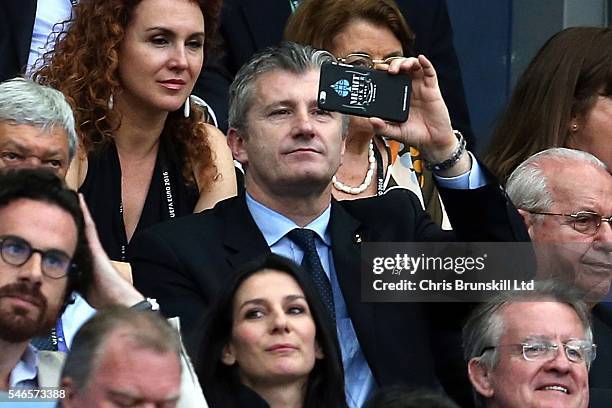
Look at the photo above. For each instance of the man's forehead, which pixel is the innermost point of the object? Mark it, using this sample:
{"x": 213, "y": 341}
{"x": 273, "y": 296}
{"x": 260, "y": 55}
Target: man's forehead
{"x": 279, "y": 85}
{"x": 31, "y": 136}
{"x": 571, "y": 181}
{"x": 541, "y": 319}
{"x": 41, "y": 221}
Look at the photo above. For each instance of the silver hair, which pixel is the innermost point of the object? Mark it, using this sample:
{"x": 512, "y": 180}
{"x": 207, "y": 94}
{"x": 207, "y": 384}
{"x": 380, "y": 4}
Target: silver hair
{"x": 24, "y": 102}
{"x": 527, "y": 186}
{"x": 145, "y": 329}
{"x": 485, "y": 326}
{"x": 289, "y": 57}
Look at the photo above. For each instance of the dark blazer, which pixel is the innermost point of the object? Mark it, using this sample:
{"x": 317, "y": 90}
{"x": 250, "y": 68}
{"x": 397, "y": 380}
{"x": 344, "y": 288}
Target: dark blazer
{"x": 600, "y": 376}
{"x": 16, "y": 25}
{"x": 184, "y": 263}
{"x": 248, "y": 26}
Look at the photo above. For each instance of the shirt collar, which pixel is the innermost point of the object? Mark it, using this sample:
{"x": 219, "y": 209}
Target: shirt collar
{"x": 26, "y": 368}
{"x": 274, "y": 226}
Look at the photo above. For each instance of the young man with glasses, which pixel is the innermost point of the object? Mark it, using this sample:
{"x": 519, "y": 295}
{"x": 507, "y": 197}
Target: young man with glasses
{"x": 44, "y": 256}
{"x": 530, "y": 349}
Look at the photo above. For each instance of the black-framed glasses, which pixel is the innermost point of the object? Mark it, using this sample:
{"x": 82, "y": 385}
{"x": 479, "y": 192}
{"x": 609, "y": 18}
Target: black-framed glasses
{"x": 359, "y": 59}
{"x": 17, "y": 251}
{"x": 577, "y": 351}
{"x": 586, "y": 222}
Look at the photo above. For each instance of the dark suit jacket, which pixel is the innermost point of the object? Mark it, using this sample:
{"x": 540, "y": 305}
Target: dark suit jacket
{"x": 16, "y": 25}
{"x": 184, "y": 263}
{"x": 600, "y": 377}
{"x": 248, "y": 26}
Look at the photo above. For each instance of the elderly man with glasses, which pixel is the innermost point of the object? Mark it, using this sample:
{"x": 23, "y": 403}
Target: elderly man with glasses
{"x": 530, "y": 349}
{"x": 565, "y": 199}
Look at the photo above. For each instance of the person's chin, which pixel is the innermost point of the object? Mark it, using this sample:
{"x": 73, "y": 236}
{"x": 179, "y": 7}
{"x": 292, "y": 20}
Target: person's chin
{"x": 555, "y": 399}
{"x": 594, "y": 280}
{"x": 171, "y": 104}
{"x": 290, "y": 368}
{"x": 19, "y": 328}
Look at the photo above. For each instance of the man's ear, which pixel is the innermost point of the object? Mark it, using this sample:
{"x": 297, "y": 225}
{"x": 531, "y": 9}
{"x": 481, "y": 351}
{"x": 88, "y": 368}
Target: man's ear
{"x": 236, "y": 142}
{"x": 480, "y": 377}
{"x": 227, "y": 355}
{"x": 67, "y": 385}
{"x": 528, "y": 219}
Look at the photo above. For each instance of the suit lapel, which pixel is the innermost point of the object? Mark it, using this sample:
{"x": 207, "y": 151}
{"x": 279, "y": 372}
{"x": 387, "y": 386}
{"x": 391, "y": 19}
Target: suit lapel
{"x": 21, "y": 14}
{"x": 346, "y": 237}
{"x": 266, "y": 20}
{"x": 242, "y": 238}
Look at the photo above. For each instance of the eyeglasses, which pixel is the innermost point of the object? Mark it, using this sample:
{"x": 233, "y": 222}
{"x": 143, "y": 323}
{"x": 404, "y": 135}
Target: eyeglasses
{"x": 359, "y": 59}
{"x": 577, "y": 351}
{"x": 586, "y": 222}
{"x": 17, "y": 251}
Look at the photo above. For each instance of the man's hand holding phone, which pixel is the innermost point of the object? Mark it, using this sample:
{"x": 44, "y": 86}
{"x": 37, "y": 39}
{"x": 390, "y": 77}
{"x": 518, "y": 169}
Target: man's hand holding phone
{"x": 428, "y": 126}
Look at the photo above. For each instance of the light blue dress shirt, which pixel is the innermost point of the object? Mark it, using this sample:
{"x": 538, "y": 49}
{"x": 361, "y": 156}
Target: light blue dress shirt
{"x": 25, "y": 372}
{"x": 359, "y": 381}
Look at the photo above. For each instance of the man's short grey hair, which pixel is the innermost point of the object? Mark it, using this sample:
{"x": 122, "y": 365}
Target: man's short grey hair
{"x": 485, "y": 326}
{"x": 24, "y": 102}
{"x": 146, "y": 330}
{"x": 288, "y": 57}
{"x": 527, "y": 186}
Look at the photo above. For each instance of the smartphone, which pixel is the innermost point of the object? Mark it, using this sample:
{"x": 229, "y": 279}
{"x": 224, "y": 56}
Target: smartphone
{"x": 364, "y": 92}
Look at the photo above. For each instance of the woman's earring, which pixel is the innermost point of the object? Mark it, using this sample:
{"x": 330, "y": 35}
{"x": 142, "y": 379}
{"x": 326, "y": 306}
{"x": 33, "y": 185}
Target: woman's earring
{"x": 111, "y": 102}
{"x": 187, "y": 109}
{"x": 574, "y": 127}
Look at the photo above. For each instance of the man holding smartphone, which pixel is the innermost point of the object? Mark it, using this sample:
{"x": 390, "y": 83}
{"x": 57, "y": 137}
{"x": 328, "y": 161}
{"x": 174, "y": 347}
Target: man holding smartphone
{"x": 290, "y": 149}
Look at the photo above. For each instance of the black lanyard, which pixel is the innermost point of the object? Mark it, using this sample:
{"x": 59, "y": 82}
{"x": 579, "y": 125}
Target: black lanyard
{"x": 380, "y": 171}
{"x": 167, "y": 193}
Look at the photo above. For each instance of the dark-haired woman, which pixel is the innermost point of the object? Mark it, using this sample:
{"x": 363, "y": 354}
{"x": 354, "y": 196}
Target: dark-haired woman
{"x": 270, "y": 342}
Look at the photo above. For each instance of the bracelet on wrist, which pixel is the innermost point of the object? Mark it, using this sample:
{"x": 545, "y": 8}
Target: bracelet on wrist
{"x": 149, "y": 304}
{"x": 451, "y": 161}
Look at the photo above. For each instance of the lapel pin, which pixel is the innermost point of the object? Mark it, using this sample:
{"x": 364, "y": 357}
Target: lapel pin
{"x": 357, "y": 238}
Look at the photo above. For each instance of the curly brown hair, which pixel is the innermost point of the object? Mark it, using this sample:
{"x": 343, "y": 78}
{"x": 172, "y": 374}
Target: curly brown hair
{"x": 84, "y": 67}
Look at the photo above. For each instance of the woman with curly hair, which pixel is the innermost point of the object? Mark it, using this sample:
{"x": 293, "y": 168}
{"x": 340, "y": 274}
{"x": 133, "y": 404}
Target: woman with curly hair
{"x": 127, "y": 67}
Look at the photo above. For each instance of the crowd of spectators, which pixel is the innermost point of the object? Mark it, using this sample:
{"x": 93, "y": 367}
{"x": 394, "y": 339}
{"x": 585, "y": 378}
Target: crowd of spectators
{"x": 182, "y": 226}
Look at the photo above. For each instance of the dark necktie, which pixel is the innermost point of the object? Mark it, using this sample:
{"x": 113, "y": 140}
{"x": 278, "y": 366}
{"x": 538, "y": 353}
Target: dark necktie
{"x": 305, "y": 239}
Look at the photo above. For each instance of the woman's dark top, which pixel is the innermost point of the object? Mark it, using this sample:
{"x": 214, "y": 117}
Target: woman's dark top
{"x": 168, "y": 196}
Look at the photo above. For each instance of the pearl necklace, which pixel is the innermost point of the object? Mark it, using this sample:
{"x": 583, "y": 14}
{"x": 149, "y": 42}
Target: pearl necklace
{"x": 338, "y": 185}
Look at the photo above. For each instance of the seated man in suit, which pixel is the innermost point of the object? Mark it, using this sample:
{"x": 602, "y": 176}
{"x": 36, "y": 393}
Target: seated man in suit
{"x": 530, "y": 349}
{"x": 291, "y": 149}
{"x": 564, "y": 197}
